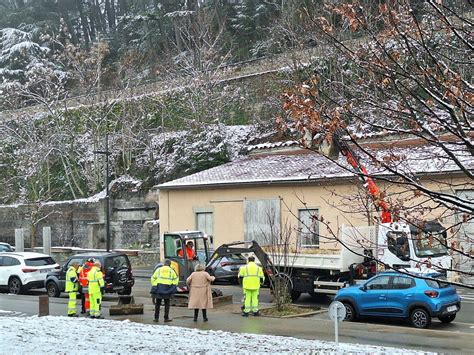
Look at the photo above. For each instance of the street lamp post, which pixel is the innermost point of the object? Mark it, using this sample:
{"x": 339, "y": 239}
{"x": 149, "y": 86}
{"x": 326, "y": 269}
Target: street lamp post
{"x": 106, "y": 152}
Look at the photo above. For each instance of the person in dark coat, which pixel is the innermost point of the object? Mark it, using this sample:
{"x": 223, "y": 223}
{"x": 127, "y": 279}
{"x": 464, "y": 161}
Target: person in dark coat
{"x": 163, "y": 282}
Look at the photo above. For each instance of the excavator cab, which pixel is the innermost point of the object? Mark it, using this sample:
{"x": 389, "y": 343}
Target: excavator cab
{"x": 176, "y": 246}
{"x": 185, "y": 250}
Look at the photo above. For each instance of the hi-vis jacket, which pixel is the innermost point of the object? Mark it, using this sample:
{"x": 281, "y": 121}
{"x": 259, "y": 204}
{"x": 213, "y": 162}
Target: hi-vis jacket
{"x": 251, "y": 274}
{"x": 95, "y": 279}
{"x": 72, "y": 284}
{"x": 164, "y": 275}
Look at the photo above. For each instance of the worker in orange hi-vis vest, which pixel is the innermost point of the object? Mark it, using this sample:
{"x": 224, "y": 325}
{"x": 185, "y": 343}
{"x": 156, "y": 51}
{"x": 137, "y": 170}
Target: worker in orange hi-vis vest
{"x": 84, "y": 270}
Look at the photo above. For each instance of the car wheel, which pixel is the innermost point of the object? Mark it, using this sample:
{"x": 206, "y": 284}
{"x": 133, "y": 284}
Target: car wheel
{"x": 52, "y": 289}
{"x": 448, "y": 318}
{"x": 14, "y": 285}
{"x": 420, "y": 318}
{"x": 350, "y": 312}
{"x": 126, "y": 291}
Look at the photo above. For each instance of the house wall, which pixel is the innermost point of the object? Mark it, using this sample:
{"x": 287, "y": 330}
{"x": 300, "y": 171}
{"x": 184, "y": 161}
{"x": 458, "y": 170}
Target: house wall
{"x": 178, "y": 207}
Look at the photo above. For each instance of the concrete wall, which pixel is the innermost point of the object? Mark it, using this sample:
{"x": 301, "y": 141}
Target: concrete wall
{"x": 82, "y": 223}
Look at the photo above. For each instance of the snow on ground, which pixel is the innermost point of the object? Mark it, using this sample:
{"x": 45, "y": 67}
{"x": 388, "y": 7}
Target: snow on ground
{"x": 62, "y": 335}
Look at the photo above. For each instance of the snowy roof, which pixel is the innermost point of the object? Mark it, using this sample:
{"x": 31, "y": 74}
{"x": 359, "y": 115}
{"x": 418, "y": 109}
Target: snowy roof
{"x": 304, "y": 166}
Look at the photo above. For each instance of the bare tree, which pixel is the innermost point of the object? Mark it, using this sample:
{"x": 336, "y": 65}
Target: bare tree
{"x": 408, "y": 74}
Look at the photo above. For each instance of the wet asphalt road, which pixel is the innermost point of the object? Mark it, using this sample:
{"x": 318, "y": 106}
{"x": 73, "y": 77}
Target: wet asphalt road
{"x": 457, "y": 337}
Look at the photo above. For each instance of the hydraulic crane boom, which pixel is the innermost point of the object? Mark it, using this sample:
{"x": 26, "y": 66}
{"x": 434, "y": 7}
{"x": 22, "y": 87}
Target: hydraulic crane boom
{"x": 354, "y": 160}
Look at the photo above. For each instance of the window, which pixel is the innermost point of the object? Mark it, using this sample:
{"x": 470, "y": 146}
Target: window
{"x": 402, "y": 283}
{"x": 379, "y": 283}
{"x": 397, "y": 243}
{"x": 430, "y": 244}
{"x": 172, "y": 246}
{"x": 436, "y": 283}
{"x": 205, "y": 223}
{"x": 80, "y": 261}
{"x": 309, "y": 227}
{"x": 40, "y": 261}
{"x": 9, "y": 261}
{"x": 117, "y": 262}
{"x": 262, "y": 220}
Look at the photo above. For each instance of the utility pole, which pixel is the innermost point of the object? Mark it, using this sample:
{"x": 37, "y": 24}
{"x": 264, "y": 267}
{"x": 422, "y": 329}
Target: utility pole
{"x": 105, "y": 152}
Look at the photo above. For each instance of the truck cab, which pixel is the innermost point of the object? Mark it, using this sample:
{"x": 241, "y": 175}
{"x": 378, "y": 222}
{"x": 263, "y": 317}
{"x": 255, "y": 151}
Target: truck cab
{"x": 402, "y": 245}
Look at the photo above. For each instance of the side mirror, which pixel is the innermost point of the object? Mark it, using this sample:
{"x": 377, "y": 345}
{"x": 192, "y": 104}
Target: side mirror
{"x": 363, "y": 288}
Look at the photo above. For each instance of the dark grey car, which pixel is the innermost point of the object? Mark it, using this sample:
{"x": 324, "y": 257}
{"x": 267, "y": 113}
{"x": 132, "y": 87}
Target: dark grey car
{"x": 227, "y": 268}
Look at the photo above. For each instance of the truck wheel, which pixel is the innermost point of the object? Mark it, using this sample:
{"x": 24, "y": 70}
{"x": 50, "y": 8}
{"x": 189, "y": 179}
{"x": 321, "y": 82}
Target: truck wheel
{"x": 52, "y": 289}
{"x": 14, "y": 285}
{"x": 350, "y": 312}
{"x": 420, "y": 318}
{"x": 295, "y": 295}
{"x": 448, "y": 318}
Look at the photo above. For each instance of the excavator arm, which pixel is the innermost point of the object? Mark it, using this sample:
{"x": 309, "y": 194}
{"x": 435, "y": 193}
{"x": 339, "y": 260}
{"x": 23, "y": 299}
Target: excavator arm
{"x": 354, "y": 160}
{"x": 241, "y": 247}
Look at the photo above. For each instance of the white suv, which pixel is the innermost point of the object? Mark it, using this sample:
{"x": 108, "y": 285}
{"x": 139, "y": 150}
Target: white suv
{"x": 24, "y": 271}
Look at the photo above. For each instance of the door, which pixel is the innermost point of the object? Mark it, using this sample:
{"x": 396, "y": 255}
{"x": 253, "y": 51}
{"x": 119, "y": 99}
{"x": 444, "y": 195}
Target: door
{"x": 10, "y": 266}
{"x": 401, "y": 294}
{"x": 3, "y": 272}
{"x": 174, "y": 246}
{"x": 373, "y": 300}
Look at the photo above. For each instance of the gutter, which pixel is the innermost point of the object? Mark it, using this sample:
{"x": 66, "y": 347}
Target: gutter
{"x": 309, "y": 181}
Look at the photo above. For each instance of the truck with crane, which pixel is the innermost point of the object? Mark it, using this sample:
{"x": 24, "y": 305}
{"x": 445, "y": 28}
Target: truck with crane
{"x": 390, "y": 244}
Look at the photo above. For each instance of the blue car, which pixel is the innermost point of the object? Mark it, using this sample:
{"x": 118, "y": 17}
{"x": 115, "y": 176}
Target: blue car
{"x": 395, "y": 295}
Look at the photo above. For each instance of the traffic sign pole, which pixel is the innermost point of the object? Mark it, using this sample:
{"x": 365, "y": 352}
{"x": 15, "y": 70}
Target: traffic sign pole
{"x": 337, "y": 312}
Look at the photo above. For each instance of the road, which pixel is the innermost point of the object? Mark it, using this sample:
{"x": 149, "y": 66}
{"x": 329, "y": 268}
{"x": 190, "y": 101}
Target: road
{"x": 457, "y": 337}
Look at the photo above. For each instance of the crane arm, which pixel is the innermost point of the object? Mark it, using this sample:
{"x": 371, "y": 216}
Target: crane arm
{"x": 373, "y": 189}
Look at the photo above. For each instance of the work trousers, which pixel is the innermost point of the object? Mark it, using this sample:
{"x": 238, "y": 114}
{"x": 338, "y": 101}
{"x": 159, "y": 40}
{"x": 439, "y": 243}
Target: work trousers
{"x": 95, "y": 300}
{"x": 71, "y": 305}
{"x": 158, "y": 305}
{"x": 86, "y": 304}
{"x": 83, "y": 295}
{"x": 251, "y": 300}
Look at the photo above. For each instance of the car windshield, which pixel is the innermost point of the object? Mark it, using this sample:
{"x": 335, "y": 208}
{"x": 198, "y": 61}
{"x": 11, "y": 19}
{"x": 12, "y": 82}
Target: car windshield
{"x": 236, "y": 258}
{"x": 40, "y": 261}
{"x": 4, "y": 247}
{"x": 429, "y": 244}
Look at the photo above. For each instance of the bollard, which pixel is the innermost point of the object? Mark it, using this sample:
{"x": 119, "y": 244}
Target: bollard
{"x": 43, "y": 302}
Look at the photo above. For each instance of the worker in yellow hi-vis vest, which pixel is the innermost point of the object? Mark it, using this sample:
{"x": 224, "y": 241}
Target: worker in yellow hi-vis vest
{"x": 251, "y": 276}
{"x": 72, "y": 286}
{"x": 96, "y": 285}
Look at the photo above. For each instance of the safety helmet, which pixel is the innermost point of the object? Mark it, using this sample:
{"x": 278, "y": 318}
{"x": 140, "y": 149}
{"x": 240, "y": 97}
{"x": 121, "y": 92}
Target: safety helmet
{"x": 90, "y": 260}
